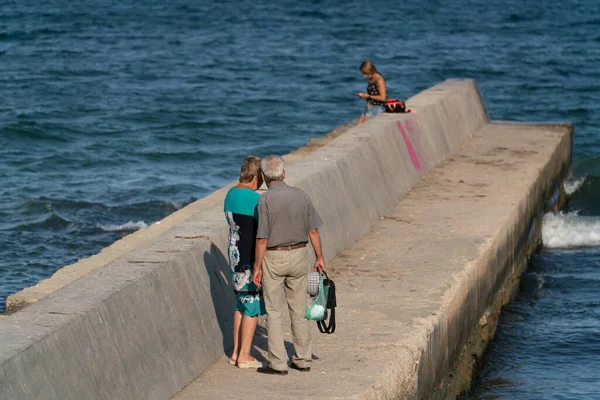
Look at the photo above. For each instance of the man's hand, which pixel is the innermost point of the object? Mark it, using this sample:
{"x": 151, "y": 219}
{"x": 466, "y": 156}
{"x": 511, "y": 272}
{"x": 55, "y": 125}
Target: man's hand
{"x": 320, "y": 265}
{"x": 257, "y": 276}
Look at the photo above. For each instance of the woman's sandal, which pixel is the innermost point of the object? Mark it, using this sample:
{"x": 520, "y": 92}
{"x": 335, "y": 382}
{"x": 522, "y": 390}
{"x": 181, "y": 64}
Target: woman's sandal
{"x": 231, "y": 361}
{"x": 250, "y": 365}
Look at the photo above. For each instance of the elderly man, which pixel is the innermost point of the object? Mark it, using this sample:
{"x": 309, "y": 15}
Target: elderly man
{"x": 286, "y": 221}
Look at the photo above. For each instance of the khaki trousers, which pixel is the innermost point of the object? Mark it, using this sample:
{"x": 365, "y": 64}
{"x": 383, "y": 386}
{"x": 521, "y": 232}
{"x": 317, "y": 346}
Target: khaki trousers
{"x": 285, "y": 280}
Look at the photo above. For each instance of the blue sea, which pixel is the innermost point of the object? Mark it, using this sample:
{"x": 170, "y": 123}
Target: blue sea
{"x": 114, "y": 114}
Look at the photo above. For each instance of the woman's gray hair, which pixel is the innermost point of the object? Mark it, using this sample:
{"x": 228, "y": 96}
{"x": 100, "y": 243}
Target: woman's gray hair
{"x": 273, "y": 167}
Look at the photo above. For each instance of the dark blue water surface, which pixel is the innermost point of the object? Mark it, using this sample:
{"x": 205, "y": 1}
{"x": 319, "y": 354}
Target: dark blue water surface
{"x": 547, "y": 343}
{"x": 114, "y": 114}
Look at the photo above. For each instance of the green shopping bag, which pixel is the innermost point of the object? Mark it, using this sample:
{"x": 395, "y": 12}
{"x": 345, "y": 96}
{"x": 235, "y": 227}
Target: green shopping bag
{"x": 317, "y": 309}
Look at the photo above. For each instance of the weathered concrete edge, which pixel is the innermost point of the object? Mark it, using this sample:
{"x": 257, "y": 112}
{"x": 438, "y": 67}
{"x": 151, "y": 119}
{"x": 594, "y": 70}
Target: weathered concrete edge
{"x": 142, "y": 300}
{"x": 457, "y": 336}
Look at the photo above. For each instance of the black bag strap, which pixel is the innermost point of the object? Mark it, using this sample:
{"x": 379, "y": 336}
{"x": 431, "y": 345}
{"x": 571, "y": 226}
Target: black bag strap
{"x": 324, "y": 327}
{"x": 331, "y": 304}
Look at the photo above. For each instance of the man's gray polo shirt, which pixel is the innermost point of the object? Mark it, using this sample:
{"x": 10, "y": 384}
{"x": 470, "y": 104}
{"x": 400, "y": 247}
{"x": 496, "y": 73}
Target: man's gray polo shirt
{"x": 285, "y": 215}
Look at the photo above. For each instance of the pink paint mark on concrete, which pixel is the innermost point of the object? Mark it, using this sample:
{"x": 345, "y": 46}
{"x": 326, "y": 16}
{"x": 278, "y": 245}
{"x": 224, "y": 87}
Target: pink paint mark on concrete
{"x": 414, "y": 133}
{"x": 411, "y": 150}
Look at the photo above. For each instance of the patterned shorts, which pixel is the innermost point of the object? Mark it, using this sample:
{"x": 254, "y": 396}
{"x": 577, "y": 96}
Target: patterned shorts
{"x": 251, "y": 305}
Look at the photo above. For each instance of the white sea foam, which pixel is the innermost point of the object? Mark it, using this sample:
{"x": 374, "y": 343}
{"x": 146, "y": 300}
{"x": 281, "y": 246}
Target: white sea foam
{"x": 573, "y": 185}
{"x": 129, "y": 226}
{"x": 540, "y": 281}
{"x": 570, "y": 230}
{"x": 175, "y": 204}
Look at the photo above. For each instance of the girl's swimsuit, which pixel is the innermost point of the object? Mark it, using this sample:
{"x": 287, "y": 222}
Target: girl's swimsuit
{"x": 373, "y": 107}
{"x": 373, "y": 90}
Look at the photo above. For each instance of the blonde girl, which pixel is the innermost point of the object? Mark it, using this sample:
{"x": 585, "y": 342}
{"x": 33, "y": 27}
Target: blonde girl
{"x": 376, "y": 92}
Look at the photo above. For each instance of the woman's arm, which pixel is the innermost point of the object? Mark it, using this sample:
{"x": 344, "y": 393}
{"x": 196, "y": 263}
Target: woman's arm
{"x": 261, "y": 249}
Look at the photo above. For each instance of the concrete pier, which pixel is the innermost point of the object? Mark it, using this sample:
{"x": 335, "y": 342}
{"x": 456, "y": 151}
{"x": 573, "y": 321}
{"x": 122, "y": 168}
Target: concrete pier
{"x": 428, "y": 219}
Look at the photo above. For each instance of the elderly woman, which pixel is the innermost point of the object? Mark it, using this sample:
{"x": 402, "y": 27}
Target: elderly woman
{"x": 376, "y": 92}
{"x": 242, "y": 216}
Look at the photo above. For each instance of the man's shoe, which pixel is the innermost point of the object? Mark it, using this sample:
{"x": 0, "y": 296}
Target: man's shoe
{"x": 302, "y": 369}
{"x": 270, "y": 371}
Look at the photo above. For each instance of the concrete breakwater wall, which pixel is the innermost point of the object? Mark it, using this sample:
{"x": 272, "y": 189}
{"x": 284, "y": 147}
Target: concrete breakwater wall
{"x": 152, "y": 319}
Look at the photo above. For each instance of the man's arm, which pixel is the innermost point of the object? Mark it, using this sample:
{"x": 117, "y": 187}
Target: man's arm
{"x": 315, "y": 240}
{"x": 261, "y": 248}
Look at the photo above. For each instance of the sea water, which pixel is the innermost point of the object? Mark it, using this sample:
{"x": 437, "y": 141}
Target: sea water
{"x": 114, "y": 114}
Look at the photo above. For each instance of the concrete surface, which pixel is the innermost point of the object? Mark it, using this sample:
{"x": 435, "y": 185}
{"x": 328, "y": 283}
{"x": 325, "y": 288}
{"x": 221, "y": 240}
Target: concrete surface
{"x": 412, "y": 290}
{"x": 151, "y": 319}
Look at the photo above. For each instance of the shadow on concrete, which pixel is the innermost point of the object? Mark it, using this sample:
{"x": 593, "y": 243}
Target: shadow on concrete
{"x": 221, "y": 291}
{"x": 217, "y": 268}
{"x": 261, "y": 342}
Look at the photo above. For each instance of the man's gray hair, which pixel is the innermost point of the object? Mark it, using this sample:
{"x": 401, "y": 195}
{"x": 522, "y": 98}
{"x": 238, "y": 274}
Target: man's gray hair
{"x": 273, "y": 167}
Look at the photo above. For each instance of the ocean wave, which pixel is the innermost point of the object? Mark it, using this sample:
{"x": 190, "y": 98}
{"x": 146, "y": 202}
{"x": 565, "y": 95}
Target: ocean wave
{"x": 129, "y": 226}
{"x": 175, "y": 204}
{"x": 31, "y": 130}
{"x": 584, "y": 196}
{"x": 160, "y": 156}
{"x": 43, "y": 204}
{"x": 49, "y": 221}
{"x": 570, "y": 230}
{"x": 572, "y": 185}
